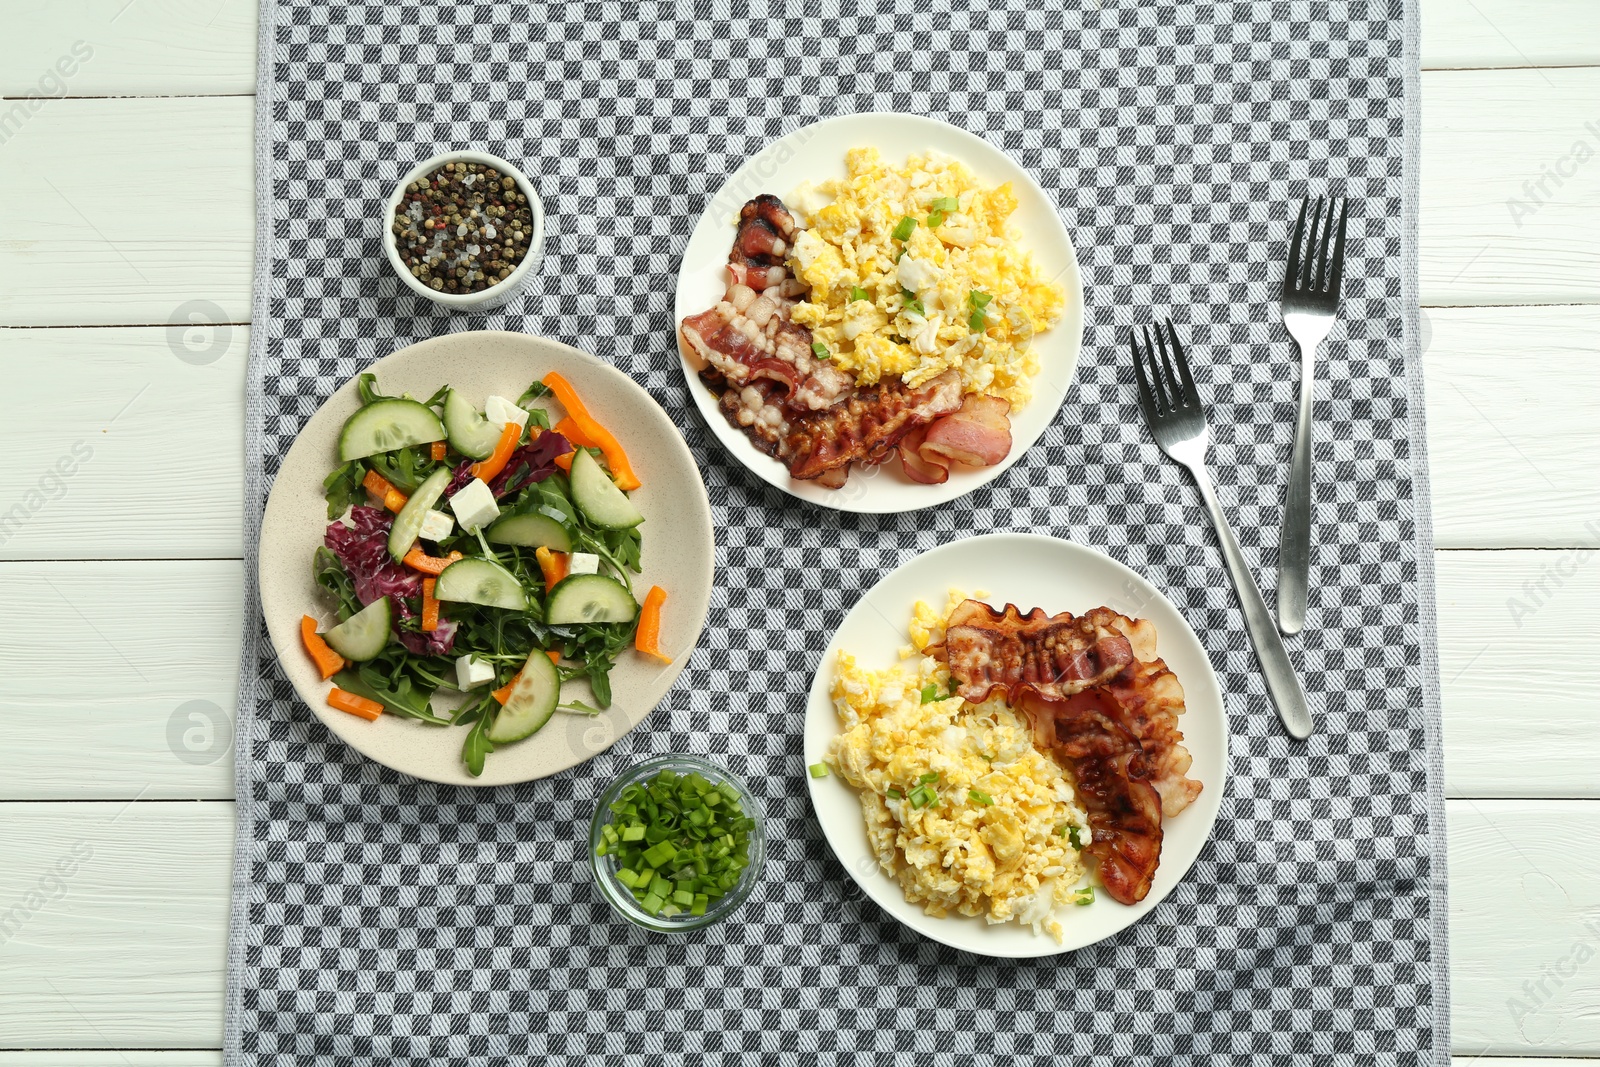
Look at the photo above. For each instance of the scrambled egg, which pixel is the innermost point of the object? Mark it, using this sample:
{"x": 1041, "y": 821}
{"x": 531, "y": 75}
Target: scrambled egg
{"x": 961, "y": 809}
{"x": 957, "y": 291}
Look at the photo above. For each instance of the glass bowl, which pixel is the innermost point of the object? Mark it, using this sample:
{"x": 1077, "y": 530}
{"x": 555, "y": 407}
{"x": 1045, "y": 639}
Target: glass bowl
{"x": 604, "y": 868}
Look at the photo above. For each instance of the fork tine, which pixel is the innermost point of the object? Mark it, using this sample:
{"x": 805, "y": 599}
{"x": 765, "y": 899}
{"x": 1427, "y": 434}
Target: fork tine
{"x": 1174, "y": 383}
{"x": 1193, "y": 394}
{"x": 1158, "y": 385}
{"x": 1336, "y": 270}
{"x": 1327, "y": 242}
{"x": 1147, "y": 401}
{"x": 1292, "y": 269}
{"x": 1308, "y": 279}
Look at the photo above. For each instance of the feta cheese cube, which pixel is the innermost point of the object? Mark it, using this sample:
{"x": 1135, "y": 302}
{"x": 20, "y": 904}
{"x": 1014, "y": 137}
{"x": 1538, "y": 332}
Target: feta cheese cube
{"x": 474, "y": 506}
{"x": 583, "y": 563}
{"x": 472, "y": 672}
{"x": 499, "y": 411}
{"x": 436, "y": 526}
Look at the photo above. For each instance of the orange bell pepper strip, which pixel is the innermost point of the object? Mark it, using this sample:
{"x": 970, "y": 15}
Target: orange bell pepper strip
{"x": 329, "y": 662}
{"x": 564, "y": 461}
{"x": 379, "y": 487}
{"x": 616, "y": 458}
{"x": 359, "y": 706}
{"x": 437, "y": 451}
{"x": 417, "y": 560}
{"x": 569, "y": 429}
{"x": 553, "y": 565}
{"x": 430, "y": 606}
{"x": 487, "y": 469}
{"x": 503, "y": 694}
{"x": 647, "y": 638}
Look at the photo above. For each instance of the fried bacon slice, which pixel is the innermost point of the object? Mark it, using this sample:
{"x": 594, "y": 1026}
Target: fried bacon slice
{"x": 867, "y": 426}
{"x": 1103, "y": 702}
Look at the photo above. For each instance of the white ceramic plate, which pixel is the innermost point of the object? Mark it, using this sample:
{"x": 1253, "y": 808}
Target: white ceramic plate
{"x": 678, "y": 551}
{"x": 1030, "y": 571}
{"x": 816, "y": 153}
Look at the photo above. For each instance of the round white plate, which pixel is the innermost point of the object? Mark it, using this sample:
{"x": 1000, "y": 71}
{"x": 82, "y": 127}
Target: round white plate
{"x": 678, "y": 552}
{"x": 1029, "y": 571}
{"x": 816, "y": 153}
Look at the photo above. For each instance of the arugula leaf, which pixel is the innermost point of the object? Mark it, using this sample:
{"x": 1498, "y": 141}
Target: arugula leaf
{"x": 342, "y": 488}
{"x": 476, "y": 748}
{"x": 534, "y": 392}
{"x": 331, "y": 575}
{"x": 404, "y": 468}
{"x": 405, "y": 701}
{"x": 367, "y": 386}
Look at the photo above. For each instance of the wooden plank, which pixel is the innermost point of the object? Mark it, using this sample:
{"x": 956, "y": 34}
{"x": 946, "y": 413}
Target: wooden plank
{"x": 1509, "y": 33}
{"x": 1509, "y": 731}
{"x": 128, "y": 48}
{"x": 124, "y": 442}
{"x": 1523, "y": 882}
{"x": 145, "y": 204}
{"x": 1512, "y": 435}
{"x": 149, "y": 1058}
{"x": 1510, "y": 193}
{"x": 147, "y": 708}
{"x": 112, "y": 924}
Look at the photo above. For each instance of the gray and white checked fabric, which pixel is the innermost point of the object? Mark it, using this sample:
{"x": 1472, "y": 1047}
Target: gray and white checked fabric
{"x": 379, "y": 920}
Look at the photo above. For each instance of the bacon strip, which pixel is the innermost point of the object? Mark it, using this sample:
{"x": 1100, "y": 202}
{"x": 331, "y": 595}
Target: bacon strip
{"x": 978, "y": 435}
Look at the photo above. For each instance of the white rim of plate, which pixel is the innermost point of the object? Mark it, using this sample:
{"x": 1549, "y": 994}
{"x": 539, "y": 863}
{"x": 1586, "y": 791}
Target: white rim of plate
{"x": 1202, "y": 691}
{"x": 703, "y": 281}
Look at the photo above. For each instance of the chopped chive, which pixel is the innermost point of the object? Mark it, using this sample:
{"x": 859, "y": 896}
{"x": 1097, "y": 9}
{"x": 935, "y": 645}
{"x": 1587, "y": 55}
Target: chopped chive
{"x": 977, "y": 323}
{"x": 915, "y": 307}
{"x": 946, "y": 203}
{"x": 930, "y": 693}
{"x": 659, "y": 853}
{"x": 818, "y": 770}
{"x": 642, "y": 878}
{"x": 929, "y": 778}
{"x": 922, "y": 797}
{"x": 633, "y": 833}
{"x": 652, "y": 904}
{"x": 893, "y": 794}
{"x": 978, "y": 796}
{"x": 677, "y": 839}
{"x": 935, "y": 218}
{"x": 1072, "y": 836}
{"x": 698, "y": 907}
{"x": 857, "y": 293}
{"x": 627, "y": 877}
{"x": 819, "y": 350}
{"x": 904, "y": 230}
{"x": 1084, "y": 896}
{"x": 979, "y": 300}
{"x": 684, "y": 898}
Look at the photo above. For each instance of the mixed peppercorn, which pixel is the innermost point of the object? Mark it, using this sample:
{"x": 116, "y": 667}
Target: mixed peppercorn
{"x": 462, "y": 228}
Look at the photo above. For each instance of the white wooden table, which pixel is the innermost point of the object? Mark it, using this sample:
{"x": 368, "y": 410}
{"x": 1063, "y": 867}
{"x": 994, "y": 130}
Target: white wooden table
{"x": 128, "y": 206}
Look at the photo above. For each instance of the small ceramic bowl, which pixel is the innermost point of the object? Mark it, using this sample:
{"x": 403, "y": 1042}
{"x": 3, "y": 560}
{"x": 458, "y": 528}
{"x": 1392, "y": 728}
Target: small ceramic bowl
{"x": 501, "y": 291}
{"x": 604, "y": 868}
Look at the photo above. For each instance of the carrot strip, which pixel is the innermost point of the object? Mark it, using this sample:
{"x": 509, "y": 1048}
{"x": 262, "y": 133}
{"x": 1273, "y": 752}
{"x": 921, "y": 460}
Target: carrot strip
{"x": 434, "y": 565}
{"x": 356, "y": 705}
{"x": 553, "y": 565}
{"x": 616, "y": 458}
{"x": 430, "y": 606}
{"x": 569, "y": 429}
{"x": 329, "y": 662}
{"x": 503, "y": 694}
{"x": 379, "y": 487}
{"x": 647, "y": 638}
{"x": 501, "y": 455}
{"x": 437, "y": 451}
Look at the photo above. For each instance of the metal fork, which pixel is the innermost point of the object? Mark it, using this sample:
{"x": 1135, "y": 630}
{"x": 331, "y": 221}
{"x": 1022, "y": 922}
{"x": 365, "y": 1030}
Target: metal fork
{"x": 1310, "y": 302}
{"x": 1177, "y": 421}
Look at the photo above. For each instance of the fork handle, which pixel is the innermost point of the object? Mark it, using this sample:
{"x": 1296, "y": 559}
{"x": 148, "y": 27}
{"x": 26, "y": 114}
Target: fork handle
{"x": 1282, "y": 682}
{"x": 1294, "y": 535}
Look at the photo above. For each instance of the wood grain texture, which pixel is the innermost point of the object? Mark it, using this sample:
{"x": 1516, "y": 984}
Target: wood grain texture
{"x": 1513, "y": 440}
{"x": 136, "y": 1058}
{"x": 147, "y": 710}
{"x": 1510, "y": 192}
{"x": 1507, "y": 732}
{"x": 143, "y": 48}
{"x": 112, "y": 920}
{"x": 157, "y": 982}
{"x": 1509, "y": 33}
{"x": 126, "y": 442}
{"x": 138, "y": 210}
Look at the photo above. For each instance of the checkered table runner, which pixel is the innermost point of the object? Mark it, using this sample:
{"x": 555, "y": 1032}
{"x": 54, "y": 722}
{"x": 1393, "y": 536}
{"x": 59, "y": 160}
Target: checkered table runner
{"x": 378, "y": 920}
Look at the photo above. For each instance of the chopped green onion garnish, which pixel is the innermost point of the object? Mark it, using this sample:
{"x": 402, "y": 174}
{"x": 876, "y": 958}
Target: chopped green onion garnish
{"x": 977, "y": 323}
{"x": 979, "y": 300}
{"x": 935, "y": 218}
{"x": 699, "y": 905}
{"x": 818, "y": 770}
{"x": 627, "y": 877}
{"x": 930, "y": 693}
{"x": 633, "y": 833}
{"x": 819, "y": 350}
{"x": 679, "y": 841}
{"x": 857, "y": 293}
{"x": 946, "y": 203}
{"x": 915, "y": 307}
{"x": 922, "y": 796}
{"x": 1072, "y": 836}
{"x": 907, "y": 226}
{"x": 930, "y": 777}
{"x": 978, "y": 796}
{"x": 1084, "y": 896}
{"x": 893, "y": 794}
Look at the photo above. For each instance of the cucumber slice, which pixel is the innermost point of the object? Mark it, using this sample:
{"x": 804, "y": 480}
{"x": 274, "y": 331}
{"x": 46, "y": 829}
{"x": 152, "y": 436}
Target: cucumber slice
{"x": 598, "y": 497}
{"x": 531, "y": 531}
{"x": 581, "y": 598}
{"x": 363, "y": 635}
{"x": 470, "y": 433}
{"x": 481, "y": 581}
{"x": 408, "y": 522}
{"x": 532, "y": 701}
{"x": 387, "y": 425}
